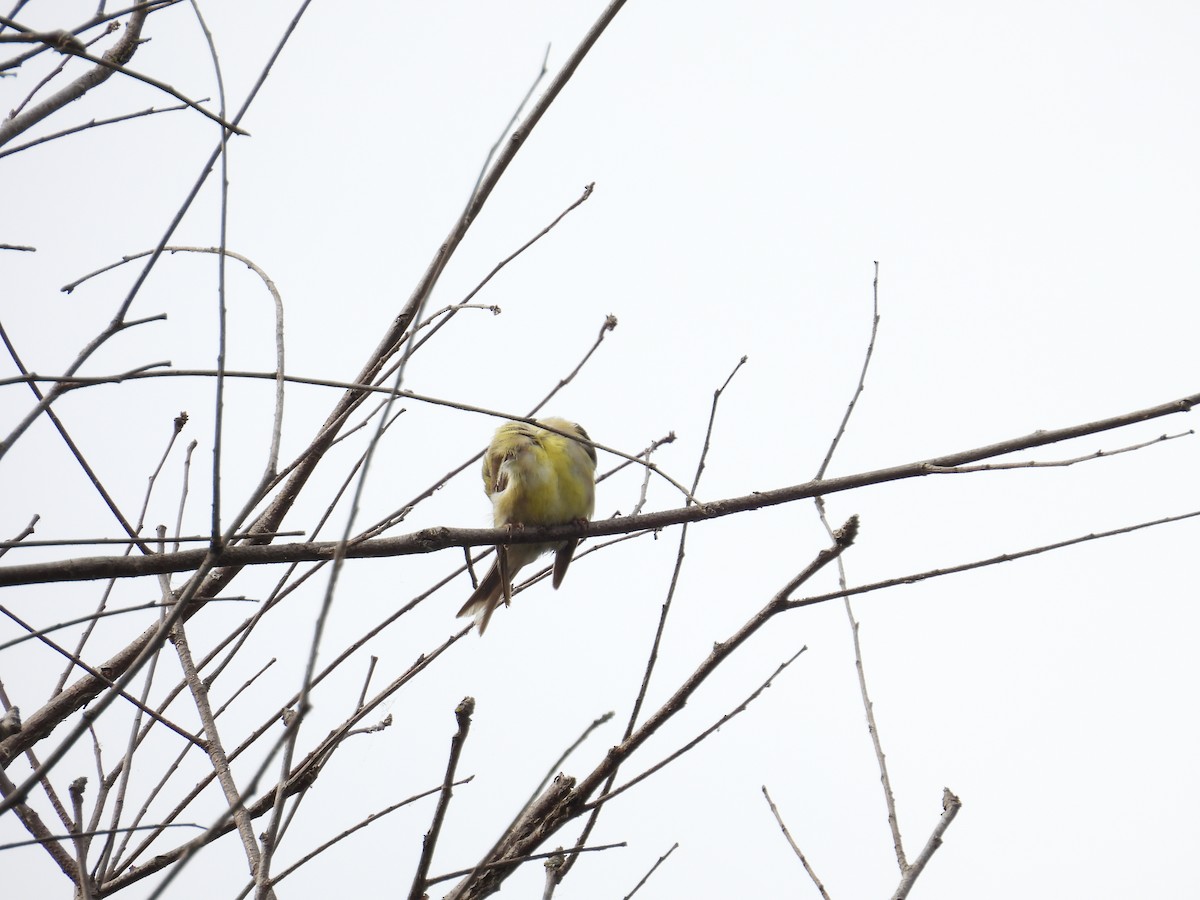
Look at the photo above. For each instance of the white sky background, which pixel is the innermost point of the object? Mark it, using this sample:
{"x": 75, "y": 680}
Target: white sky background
{"x": 1025, "y": 175}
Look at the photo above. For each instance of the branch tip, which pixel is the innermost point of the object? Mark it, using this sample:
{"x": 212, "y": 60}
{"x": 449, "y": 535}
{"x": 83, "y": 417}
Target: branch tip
{"x": 848, "y": 533}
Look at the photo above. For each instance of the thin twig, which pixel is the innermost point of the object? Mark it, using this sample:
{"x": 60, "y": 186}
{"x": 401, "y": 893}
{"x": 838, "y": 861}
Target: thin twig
{"x": 720, "y": 723}
{"x": 652, "y": 656}
{"x": 155, "y": 83}
{"x": 177, "y": 426}
{"x": 117, "y": 689}
{"x": 567, "y": 799}
{"x": 799, "y": 853}
{"x": 462, "y": 714}
{"x": 466, "y": 301}
{"x": 1060, "y": 463}
{"x": 362, "y": 696}
{"x": 654, "y": 445}
{"x": 71, "y": 382}
{"x": 94, "y": 123}
{"x": 302, "y": 774}
{"x": 99, "y": 832}
{"x": 117, "y": 862}
{"x": 862, "y": 379}
{"x": 132, "y": 744}
{"x": 25, "y": 532}
{"x": 487, "y": 161}
{"x": 646, "y": 877}
{"x": 214, "y": 747}
{"x": 889, "y": 798}
{"x": 317, "y": 851}
{"x": 141, "y": 607}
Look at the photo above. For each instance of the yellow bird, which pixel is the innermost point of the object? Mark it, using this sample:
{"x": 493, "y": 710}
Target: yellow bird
{"x": 534, "y": 477}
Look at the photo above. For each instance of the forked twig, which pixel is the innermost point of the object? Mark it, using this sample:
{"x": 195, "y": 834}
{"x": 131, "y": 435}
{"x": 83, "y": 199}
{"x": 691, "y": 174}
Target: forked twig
{"x": 20, "y": 537}
{"x": 950, "y": 807}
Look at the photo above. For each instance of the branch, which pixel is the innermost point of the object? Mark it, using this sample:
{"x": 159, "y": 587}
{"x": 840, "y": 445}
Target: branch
{"x": 662, "y": 859}
{"x": 889, "y": 798}
{"x": 787, "y": 834}
{"x": 549, "y": 854}
{"x": 94, "y": 123}
{"x": 462, "y": 713}
{"x": 120, "y": 53}
{"x": 716, "y": 726}
{"x": 558, "y": 874}
{"x": 433, "y": 539}
{"x": 950, "y": 807}
{"x": 313, "y": 854}
{"x": 567, "y": 799}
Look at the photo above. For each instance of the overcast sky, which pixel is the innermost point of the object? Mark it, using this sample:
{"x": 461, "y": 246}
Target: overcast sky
{"x": 1025, "y": 175}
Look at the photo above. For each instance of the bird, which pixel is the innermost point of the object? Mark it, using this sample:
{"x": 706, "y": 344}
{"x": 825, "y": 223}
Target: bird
{"x": 534, "y": 477}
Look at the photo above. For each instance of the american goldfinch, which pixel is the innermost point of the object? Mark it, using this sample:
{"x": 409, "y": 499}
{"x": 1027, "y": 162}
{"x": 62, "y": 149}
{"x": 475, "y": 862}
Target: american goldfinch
{"x": 534, "y": 477}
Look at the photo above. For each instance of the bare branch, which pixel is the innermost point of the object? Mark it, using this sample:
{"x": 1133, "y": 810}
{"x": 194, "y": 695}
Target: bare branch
{"x": 652, "y": 656}
{"x": 97, "y": 673}
{"x": 466, "y": 301}
{"x": 309, "y": 857}
{"x": 990, "y": 561}
{"x": 787, "y": 834}
{"x": 66, "y": 837}
{"x": 646, "y": 877}
{"x": 433, "y": 539}
{"x": 17, "y": 541}
{"x": 513, "y": 121}
{"x": 302, "y": 775}
{"x": 462, "y": 715}
{"x": 214, "y": 748}
{"x": 566, "y": 799}
{"x": 1060, "y": 463}
{"x": 950, "y": 807}
{"x": 94, "y": 123}
{"x": 862, "y": 380}
{"x": 102, "y": 69}
{"x": 889, "y": 798}
{"x": 721, "y": 722}
{"x": 33, "y": 824}
{"x": 532, "y": 856}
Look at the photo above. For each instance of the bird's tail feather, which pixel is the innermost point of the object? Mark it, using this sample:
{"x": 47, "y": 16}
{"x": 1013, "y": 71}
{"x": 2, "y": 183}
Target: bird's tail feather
{"x": 562, "y": 559}
{"x": 483, "y": 602}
